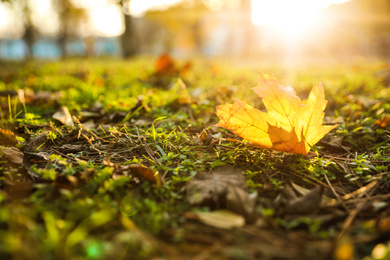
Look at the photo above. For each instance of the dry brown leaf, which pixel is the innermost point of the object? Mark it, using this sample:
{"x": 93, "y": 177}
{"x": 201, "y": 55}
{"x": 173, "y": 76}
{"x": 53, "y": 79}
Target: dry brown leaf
{"x": 210, "y": 188}
{"x": 288, "y": 126}
{"x": 138, "y": 170}
{"x": 288, "y": 203}
{"x": 12, "y": 154}
{"x": 303, "y": 191}
{"x": 40, "y": 160}
{"x": 7, "y": 137}
{"x": 225, "y": 187}
{"x": 35, "y": 143}
{"x": 63, "y": 115}
{"x": 306, "y": 204}
{"x": 143, "y": 172}
{"x": 221, "y": 219}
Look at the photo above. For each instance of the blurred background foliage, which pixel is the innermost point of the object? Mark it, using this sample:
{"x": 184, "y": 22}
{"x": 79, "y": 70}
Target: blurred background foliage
{"x": 277, "y": 31}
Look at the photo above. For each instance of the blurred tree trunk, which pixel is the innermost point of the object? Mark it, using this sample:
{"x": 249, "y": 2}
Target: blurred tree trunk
{"x": 198, "y": 37}
{"x": 70, "y": 17}
{"x": 28, "y": 38}
{"x": 129, "y": 38}
{"x": 29, "y": 31}
{"x": 61, "y": 41}
{"x": 28, "y": 35}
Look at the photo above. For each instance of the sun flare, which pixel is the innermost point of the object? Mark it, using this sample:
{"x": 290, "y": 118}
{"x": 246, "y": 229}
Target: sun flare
{"x": 107, "y": 27}
{"x": 289, "y": 18}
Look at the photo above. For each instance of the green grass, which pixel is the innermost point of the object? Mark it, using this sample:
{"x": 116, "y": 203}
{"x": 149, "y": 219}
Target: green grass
{"x": 81, "y": 207}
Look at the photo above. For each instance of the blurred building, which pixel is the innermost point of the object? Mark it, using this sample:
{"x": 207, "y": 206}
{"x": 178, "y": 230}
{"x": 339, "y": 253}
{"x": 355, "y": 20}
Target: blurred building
{"x": 48, "y": 48}
{"x": 12, "y": 49}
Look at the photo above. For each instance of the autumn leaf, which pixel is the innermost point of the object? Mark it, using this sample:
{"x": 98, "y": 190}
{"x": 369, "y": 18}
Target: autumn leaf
{"x": 7, "y": 137}
{"x": 384, "y": 122}
{"x": 165, "y": 65}
{"x": 288, "y": 125}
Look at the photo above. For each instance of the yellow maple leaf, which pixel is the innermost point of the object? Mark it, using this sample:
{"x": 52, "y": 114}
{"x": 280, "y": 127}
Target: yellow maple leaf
{"x": 288, "y": 126}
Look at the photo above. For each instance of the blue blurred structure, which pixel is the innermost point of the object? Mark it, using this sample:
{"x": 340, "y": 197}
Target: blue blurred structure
{"x": 108, "y": 46}
{"x": 48, "y": 48}
{"x": 12, "y": 49}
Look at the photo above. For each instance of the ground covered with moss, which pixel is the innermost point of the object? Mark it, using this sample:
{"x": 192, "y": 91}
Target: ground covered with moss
{"x": 108, "y": 159}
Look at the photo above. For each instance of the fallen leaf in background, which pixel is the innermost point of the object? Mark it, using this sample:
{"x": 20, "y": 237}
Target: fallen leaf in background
{"x": 166, "y": 70}
{"x": 303, "y": 191}
{"x": 240, "y": 201}
{"x": 63, "y": 115}
{"x": 209, "y": 188}
{"x": 384, "y": 122}
{"x": 90, "y": 124}
{"x": 165, "y": 65}
{"x": 225, "y": 187}
{"x": 306, "y": 204}
{"x": 299, "y": 189}
{"x": 30, "y": 97}
{"x": 288, "y": 126}
{"x": 142, "y": 172}
{"x": 16, "y": 183}
{"x": 335, "y": 143}
{"x": 40, "y": 160}
{"x": 344, "y": 249}
{"x": 138, "y": 170}
{"x": 219, "y": 218}
{"x": 12, "y": 154}
{"x": 7, "y": 137}
{"x": 21, "y": 96}
{"x": 383, "y": 224}
{"x": 185, "y": 68}
{"x": 36, "y": 142}
{"x": 288, "y": 203}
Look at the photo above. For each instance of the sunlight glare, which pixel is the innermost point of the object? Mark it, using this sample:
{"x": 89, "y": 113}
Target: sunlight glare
{"x": 44, "y": 17}
{"x": 5, "y": 16}
{"x": 139, "y": 7}
{"x": 11, "y": 24}
{"x": 107, "y": 20}
{"x": 291, "y": 18}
